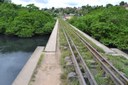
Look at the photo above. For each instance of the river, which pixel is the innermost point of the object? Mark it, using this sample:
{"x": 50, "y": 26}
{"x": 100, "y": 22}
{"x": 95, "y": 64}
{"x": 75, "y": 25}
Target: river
{"x": 14, "y": 53}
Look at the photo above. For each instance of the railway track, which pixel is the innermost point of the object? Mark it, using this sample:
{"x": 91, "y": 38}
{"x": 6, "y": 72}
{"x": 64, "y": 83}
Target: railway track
{"x": 117, "y": 77}
{"x": 79, "y": 62}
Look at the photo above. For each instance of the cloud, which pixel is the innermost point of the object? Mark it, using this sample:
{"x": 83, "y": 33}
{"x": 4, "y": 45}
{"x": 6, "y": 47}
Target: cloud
{"x": 41, "y": 1}
{"x": 25, "y": 0}
{"x": 66, "y": 3}
{"x": 37, "y": 1}
{"x": 72, "y": 4}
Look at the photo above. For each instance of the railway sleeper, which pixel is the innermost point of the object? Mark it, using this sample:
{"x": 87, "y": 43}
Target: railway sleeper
{"x": 87, "y": 79}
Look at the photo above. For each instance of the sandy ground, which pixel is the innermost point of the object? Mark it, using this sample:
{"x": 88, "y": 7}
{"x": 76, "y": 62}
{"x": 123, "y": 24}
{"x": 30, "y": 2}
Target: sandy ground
{"x": 50, "y": 70}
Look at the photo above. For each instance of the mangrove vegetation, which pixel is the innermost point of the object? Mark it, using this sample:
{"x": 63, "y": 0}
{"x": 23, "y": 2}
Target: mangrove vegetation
{"x": 109, "y": 25}
{"x": 16, "y": 20}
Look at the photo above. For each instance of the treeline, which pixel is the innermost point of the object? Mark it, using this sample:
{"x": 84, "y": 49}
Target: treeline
{"x": 70, "y": 10}
{"x": 24, "y": 21}
{"x": 108, "y": 25}
{"x": 78, "y": 11}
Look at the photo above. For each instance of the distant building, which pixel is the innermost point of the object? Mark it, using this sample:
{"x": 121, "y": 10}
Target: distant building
{"x": 68, "y": 16}
{"x": 126, "y": 6}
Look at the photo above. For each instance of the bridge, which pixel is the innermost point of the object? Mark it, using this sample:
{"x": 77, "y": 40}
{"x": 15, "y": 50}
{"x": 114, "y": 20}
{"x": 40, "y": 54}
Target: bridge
{"x": 51, "y": 57}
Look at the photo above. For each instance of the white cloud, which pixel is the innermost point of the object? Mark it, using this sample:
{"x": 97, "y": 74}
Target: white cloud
{"x": 65, "y": 3}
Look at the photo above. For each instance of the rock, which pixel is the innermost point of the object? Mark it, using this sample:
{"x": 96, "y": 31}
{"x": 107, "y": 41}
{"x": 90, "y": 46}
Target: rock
{"x": 69, "y": 64}
{"x": 71, "y": 75}
{"x": 65, "y": 48}
{"x": 67, "y": 59}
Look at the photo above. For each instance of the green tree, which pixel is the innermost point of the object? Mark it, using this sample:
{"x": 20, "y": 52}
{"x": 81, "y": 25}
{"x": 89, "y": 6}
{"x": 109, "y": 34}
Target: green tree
{"x": 1, "y": 0}
{"x": 32, "y": 7}
{"x": 24, "y": 21}
{"x": 122, "y": 3}
{"x": 109, "y": 5}
{"x": 109, "y": 25}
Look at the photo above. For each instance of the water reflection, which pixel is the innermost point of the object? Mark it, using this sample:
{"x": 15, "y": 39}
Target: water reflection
{"x": 10, "y": 66}
{"x": 14, "y": 53}
{"x": 14, "y": 44}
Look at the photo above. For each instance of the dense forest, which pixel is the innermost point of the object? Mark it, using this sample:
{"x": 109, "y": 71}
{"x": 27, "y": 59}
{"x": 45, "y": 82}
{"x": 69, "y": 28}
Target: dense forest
{"x": 108, "y": 25}
{"x": 26, "y": 21}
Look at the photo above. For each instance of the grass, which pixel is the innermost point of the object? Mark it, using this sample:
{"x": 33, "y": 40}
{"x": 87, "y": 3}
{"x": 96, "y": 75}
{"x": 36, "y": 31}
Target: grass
{"x": 40, "y": 60}
{"x": 103, "y": 80}
{"x": 120, "y": 63}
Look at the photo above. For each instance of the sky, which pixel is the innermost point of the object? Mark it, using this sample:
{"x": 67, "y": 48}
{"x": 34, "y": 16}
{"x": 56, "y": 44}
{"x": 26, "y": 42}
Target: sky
{"x": 65, "y": 3}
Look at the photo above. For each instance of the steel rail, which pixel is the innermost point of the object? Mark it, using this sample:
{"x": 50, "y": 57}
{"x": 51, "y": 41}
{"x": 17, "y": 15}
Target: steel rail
{"x": 77, "y": 68}
{"x": 106, "y": 69}
{"x": 118, "y": 78}
{"x": 85, "y": 67}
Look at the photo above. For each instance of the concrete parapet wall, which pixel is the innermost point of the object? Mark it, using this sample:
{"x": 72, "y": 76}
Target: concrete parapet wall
{"x": 106, "y": 49}
{"x": 119, "y": 53}
{"x": 26, "y": 73}
{"x": 51, "y": 45}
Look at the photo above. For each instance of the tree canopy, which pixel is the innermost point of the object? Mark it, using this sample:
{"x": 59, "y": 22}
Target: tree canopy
{"x": 108, "y": 24}
{"x": 24, "y": 21}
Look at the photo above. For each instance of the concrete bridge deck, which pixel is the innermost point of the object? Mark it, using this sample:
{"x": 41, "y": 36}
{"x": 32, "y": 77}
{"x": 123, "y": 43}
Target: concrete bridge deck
{"x": 119, "y": 53}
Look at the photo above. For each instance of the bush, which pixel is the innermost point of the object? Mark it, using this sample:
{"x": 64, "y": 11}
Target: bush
{"x": 24, "y": 21}
{"x": 108, "y": 25}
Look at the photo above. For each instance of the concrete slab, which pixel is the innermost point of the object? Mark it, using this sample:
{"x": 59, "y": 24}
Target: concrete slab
{"x": 26, "y": 73}
{"x": 106, "y": 49}
{"x": 51, "y": 45}
{"x": 119, "y": 53}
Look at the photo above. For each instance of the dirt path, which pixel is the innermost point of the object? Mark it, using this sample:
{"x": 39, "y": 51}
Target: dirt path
{"x": 50, "y": 70}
